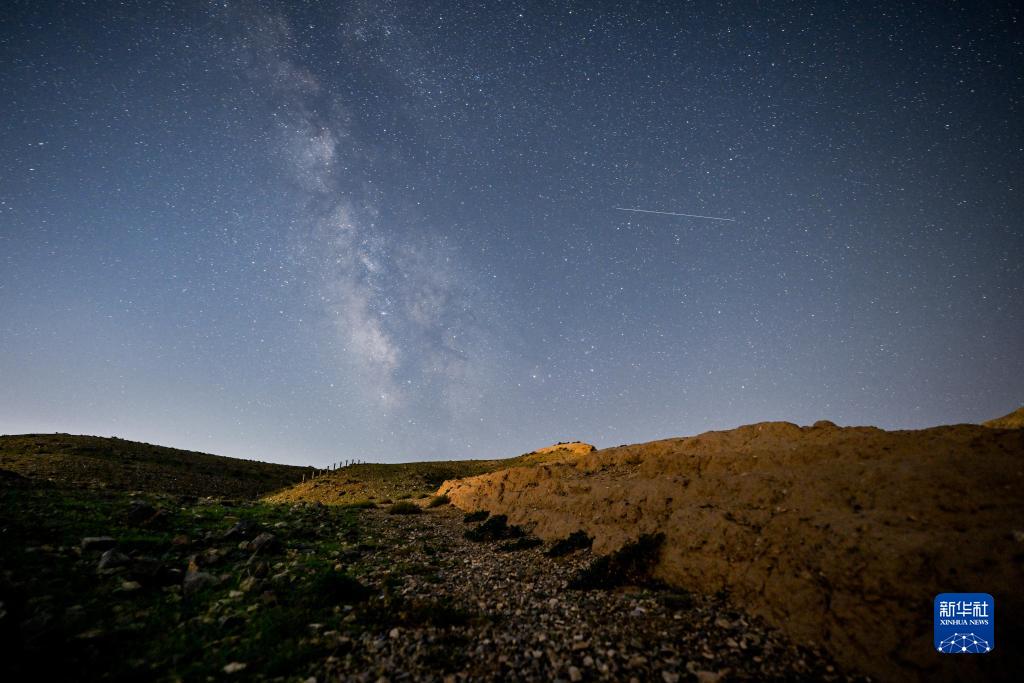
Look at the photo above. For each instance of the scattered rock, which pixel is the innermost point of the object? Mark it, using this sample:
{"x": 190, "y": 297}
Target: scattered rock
{"x": 249, "y": 584}
{"x": 111, "y": 561}
{"x": 91, "y": 634}
{"x": 37, "y": 625}
{"x": 230, "y": 621}
{"x": 266, "y": 544}
{"x": 210, "y": 556}
{"x": 423, "y": 590}
{"x": 196, "y": 581}
{"x": 139, "y": 513}
{"x": 243, "y": 530}
{"x": 98, "y": 543}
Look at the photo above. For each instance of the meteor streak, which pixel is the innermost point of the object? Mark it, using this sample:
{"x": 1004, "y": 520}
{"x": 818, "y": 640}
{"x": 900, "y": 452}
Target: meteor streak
{"x": 670, "y": 213}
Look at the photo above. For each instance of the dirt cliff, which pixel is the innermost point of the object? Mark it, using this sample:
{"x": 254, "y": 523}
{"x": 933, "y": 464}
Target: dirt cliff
{"x": 840, "y": 536}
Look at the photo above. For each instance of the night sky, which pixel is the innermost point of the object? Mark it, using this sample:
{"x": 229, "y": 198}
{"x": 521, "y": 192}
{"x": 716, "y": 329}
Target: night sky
{"x": 391, "y": 230}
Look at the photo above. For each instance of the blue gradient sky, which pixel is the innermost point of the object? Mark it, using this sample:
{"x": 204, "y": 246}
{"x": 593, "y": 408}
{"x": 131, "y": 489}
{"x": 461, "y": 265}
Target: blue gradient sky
{"x": 387, "y": 230}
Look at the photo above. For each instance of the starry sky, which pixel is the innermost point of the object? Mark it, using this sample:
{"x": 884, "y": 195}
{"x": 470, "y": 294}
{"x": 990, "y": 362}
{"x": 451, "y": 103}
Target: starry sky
{"x": 305, "y": 232}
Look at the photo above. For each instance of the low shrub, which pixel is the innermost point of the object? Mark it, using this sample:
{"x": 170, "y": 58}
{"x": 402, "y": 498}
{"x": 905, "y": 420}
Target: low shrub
{"x": 478, "y": 516}
{"x": 631, "y": 564}
{"x": 336, "y": 587}
{"x": 438, "y": 501}
{"x": 404, "y": 507}
{"x": 496, "y": 528}
{"x": 577, "y": 540}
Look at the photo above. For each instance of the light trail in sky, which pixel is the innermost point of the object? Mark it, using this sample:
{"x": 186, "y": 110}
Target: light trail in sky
{"x": 670, "y": 213}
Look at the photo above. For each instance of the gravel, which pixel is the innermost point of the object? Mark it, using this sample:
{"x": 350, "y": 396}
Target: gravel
{"x": 515, "y": 619}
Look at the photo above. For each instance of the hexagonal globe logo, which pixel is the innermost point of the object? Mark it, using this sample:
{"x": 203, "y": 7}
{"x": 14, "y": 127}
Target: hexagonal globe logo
{"x": 965, "y": 623}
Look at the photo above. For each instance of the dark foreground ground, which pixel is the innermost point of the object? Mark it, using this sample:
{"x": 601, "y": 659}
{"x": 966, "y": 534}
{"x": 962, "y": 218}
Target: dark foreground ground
{"x": 211, "y": 589}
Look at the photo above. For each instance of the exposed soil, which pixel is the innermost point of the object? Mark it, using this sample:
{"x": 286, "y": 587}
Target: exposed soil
{"x": 839, "y": 536}
{"x": 376, "y": 482}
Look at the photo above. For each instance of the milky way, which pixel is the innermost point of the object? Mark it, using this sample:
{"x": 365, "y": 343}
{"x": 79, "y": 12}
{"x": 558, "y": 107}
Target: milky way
{"x": 405, "y": 230}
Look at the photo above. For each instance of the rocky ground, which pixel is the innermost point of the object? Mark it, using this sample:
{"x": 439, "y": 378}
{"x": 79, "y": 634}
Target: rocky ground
{"x": 513, "y": 617}
{"x": 116, "y": 586}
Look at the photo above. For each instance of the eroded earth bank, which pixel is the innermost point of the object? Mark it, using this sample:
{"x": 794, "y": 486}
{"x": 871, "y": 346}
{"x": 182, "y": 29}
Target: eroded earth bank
{"x": 838, "y": 536}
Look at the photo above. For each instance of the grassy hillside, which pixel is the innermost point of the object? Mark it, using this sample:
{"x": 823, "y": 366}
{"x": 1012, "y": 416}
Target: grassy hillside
{"x": 160, "y": 597}
{"x": 111, "y": 463}
{"x": 104, "y": 585}
{"x": 383, "y": 483}
{"x": 1014, "y": 420}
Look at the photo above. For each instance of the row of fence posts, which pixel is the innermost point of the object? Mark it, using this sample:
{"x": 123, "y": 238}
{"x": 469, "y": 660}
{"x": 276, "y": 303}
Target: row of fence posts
{"x": 333, "y": 468}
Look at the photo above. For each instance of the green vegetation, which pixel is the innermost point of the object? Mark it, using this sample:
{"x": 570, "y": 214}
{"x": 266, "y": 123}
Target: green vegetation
{"x": 438, "y": 501}
{"x": 143, "y": 616}
{"x": 404, "y": 507}
{"x": 98, "y": 462}
{"x": 402, "y": 481}
{"x": 363, "y": 504}
{"x": 630, "y": 565}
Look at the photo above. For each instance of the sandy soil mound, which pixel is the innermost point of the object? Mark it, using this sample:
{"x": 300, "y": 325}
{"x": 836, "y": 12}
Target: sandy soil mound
{"x": 838, "y": 536}
{"x": 570, "y": 447}
{"x": 382, "y": 482}
{"x": 1014, "y": 420}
